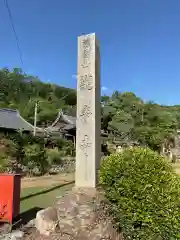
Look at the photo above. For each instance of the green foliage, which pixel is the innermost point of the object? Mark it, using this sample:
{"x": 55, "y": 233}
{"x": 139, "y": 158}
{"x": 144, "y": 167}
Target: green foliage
{"x": 12, "y": 148}
{"x": 148, "y": 123}
{"x": 69, "y": 149}
{"x": 26, "y": 139}
{"x": 124, "y": 114}
{"x": 144, "y": 194}
{"x": 3, "y": 161}
{"x": 24, "y": 153}
{"x": 60, "y": 142}
{"x": 21, "y": 91}
{"x": 53, "y": 156}
{"x": 122, "y": 121}
{"x": 35, "y": 158}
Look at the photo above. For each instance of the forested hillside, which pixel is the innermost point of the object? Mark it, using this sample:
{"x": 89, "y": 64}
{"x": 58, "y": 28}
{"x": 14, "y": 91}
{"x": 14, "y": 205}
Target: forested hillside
{"x": 21, "y": 91}
{"x": 127, "y": 114}
{"x": 148, "y": 123}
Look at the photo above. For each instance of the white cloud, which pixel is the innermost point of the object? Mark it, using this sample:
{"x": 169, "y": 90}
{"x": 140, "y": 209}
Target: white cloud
{"x": 74, "y": 76}
{"x": 103, "y": 88}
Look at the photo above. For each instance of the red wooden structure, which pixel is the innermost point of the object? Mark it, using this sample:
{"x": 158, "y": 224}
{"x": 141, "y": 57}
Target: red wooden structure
{"x": 10, "y": 188}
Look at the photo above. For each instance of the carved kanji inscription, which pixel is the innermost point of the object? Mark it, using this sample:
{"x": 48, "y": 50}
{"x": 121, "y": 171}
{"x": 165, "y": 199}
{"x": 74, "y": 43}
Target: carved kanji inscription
{"x": 86, "y": 52}
{"x": 85, "y": 144}
{"x": 85, "y": 113}
{"x": 86, "y": 82}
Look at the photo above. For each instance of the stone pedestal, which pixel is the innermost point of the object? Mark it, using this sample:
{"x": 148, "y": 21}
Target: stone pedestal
{"x": 77, "y": 216}
{"x": 88, "y": 128}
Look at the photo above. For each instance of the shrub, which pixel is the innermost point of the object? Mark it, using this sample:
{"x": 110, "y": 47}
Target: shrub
{"x": 67, "y": 147}
{"x": 144, "y": 194}
{"x": 12, "y": 148}
{"x": 53, "y": 156}
{"x": 58, "y": 162}
{"x": 3, "y": 162}
{"x": 60, "y": 143}
{"x": 35, "y": 159}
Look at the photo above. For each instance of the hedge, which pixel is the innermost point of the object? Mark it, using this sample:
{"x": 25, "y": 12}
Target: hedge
{"x": 144, "y": 194}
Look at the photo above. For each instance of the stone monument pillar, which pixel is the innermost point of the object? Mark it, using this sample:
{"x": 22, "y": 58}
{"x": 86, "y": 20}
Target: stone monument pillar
{"x": 88, "y": 125}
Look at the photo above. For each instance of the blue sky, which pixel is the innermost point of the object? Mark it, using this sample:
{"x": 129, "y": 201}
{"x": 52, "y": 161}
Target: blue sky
{"x": 140, "y": 42}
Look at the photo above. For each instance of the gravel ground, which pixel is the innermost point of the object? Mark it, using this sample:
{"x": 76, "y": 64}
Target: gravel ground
{"x": 32, "y": 234}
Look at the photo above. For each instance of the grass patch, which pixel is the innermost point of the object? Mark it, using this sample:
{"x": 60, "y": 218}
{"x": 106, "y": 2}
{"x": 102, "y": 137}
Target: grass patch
{"x": 42, "y": 197}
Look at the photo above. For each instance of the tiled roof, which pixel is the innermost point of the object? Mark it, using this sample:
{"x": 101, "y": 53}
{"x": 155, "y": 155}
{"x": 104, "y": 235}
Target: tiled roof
{"x": 69, "y": 120}
{"x": 69, "y": 127}
{"x": 11, "y": 119}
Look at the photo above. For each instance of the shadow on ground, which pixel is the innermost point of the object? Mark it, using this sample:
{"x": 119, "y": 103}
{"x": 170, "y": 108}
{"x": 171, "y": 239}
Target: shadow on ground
{"x": 46, "y": 191}
{"x": 25, "y": 217}
{"x": 21, "y": 220}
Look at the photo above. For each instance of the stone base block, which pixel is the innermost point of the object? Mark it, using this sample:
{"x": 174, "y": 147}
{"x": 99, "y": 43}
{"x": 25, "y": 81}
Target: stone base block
{"x": 80, "y": 214}
{"x": 91, "y": 192}
{"x": 46, "y": 221}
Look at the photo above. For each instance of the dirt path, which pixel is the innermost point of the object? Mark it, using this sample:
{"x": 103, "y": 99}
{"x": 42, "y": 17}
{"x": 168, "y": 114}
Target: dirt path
{"x": 47, "y": 180}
